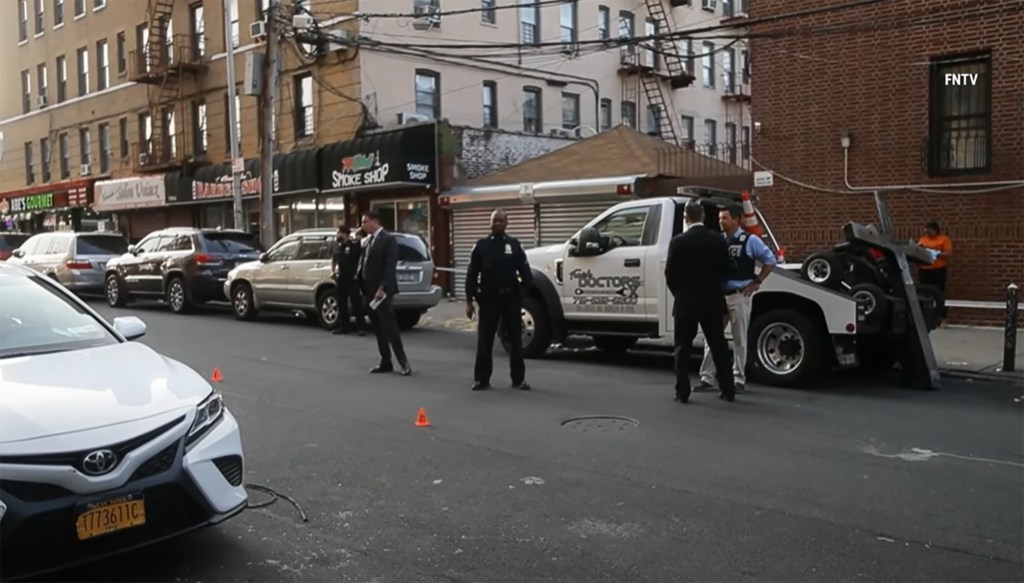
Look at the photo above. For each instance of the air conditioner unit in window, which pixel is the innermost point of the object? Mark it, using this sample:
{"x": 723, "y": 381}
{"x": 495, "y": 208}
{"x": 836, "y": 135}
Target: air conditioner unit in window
{"x": 408, "y": 117}
{"x": 85, "y": 170}
{"x": 562, "y": 133}
{"x": 41, "y": 101}
{"x": 143, "y": 159}
{"x": 708, "y": 5}
{"x": 427, "y": 17}
{"x": 258, "y": 30}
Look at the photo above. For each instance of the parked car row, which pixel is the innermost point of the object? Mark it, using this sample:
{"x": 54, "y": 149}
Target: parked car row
{"x": 188, "y": 267}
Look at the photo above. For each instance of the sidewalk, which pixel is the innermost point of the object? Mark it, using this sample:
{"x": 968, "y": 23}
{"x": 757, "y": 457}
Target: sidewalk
{"x": 959, "y": 350}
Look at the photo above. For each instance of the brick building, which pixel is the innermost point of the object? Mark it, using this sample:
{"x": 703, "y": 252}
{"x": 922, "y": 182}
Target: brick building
{"x": 881, "y": 76}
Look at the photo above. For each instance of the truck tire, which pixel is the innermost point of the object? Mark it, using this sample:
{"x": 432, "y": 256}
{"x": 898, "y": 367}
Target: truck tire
{"x": 874, "y": 300}
{"x": 824, "y": 269}
{"x": 785, "y": 348}
{"x": 615, "y": 345}
{"x": 536, "y": 329}
{"x": 932, "y": 302}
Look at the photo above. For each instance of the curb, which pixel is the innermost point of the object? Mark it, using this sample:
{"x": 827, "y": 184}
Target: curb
{"x": 991, "y": 377}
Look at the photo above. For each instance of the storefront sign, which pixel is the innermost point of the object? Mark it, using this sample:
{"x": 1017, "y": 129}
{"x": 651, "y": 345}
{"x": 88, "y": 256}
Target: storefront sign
{"x": 406, "y": 156}
{"x": 221, "y": 188}
{"x": 130, "y": 193}
{"x": 32, "y": 202}
{"x": 360, "y": 170}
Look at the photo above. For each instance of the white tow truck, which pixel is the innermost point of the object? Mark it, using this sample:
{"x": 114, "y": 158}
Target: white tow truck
{"x": 612, "y": 288}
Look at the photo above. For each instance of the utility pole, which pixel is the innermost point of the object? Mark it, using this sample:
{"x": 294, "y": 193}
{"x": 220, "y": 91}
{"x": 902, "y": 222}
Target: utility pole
{"x": 267, "y": 141}
{"x": 236, "y": 168}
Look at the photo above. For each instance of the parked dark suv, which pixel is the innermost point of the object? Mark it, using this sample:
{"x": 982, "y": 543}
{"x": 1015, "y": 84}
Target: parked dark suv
{"x": 184, "y": 266}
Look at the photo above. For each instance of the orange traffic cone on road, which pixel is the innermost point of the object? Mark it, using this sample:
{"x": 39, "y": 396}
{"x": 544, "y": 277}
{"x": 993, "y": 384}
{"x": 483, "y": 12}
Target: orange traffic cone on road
{"x": 217, "y": 377}
{"x": 750, "y": 223}
{"x": 421, "y": 418}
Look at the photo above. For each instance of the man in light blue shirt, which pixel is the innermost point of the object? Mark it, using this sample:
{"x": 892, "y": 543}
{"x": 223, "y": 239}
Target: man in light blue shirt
{"x": 746, "y": 250}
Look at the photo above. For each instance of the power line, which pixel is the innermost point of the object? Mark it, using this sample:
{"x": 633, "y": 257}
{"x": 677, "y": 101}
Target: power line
{"x": 369, "y": 15}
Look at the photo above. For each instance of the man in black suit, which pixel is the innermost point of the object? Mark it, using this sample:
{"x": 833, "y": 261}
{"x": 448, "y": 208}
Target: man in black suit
{"x": 377, "y": 278}
{"x": 698, "y": 263}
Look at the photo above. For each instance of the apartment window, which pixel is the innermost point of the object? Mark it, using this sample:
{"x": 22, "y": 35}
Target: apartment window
{"x": 26, "y": 91}
{"x": 570, "y": 111}
{"x": 65, "y": 156}
{"x": 62, "y": 79}
{"x": 79, "y": 8}
{"x": 199, "y": 139}
{"x": 122, "y": 128}
{"x": 686, "y": 126}
{"x": 727, "y": 11}
{"x": 567, "y": 22}
{"x": 708, "y": 59}
{"x": 234, "y": 24}
{"x": 97, "y": 4}
{"x": 685, "y": 48}
{"x": 83, "y": 72}
{"x": 711, "y": 136}
{"x": 428, "y": 93}
{"x": 960, "y": 116}
{"x": 653, "y": 121}
{"x": 167, "y": 26}
{"x": 606, "y": 114}
{"x": 145, "y": 133}
{"x": 604, "y": 22}
{"x": 490, "y": 100}
{"x": 197, "y": 25}
{"x": 629, "y": 114}
{"x": 745, "y": 66}
{"x": 745, "y": 145}
{"x": 30, "y": 170}
{"x": 627, "y": 29}
{"x": 532, "y": 108}
{"x": 170, "y": 139}
{"x": 44, "y": 153}
{"x": 102, "y": 65}
{"x": 529, "y": 23}
{"x": 122, "y": 62}
{"x": 304, "y": 103}
{"x": 141, "y": 42}
{"x": 42, "y": 83}
{"x": 58, "y": 13}
{"x": 729, "y": 64}
{"x": 261, "y": 9}
{"x": 730, "y": 141}
{"x": 104, "y": 148}
{"x": 85, "y": 145}
{"x": 40, "y": 13}
{"x": 487, "y": 12}
{"x": 22, "y": 21}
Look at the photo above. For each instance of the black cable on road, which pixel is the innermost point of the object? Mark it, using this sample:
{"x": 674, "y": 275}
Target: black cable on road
{"x": 274, "y": 495}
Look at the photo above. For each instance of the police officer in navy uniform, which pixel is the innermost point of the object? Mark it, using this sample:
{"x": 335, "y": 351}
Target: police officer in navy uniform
{"x": 344, "y": 264}
{"x": 497, "y": 274}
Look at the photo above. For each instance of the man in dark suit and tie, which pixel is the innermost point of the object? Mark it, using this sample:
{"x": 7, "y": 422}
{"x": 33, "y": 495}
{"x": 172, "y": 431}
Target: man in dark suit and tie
{"x": 379, "y": 283}
{"x": 698, "y": 263}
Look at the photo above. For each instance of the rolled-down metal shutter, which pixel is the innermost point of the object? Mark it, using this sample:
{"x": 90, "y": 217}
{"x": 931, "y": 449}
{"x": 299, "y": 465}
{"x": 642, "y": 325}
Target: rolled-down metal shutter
{"x": 472, "y": 224}
{"x": 559, "y": 222}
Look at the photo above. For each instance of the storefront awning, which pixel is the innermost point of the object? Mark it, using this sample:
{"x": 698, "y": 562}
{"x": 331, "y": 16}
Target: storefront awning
{"x": 400, "y": 157}
{"x": 295, "y": 172}
{"x": 47, "y": 197}
{"x": 543, "y": 192}
{"x": 130, "y": 193}
{"x": 213, "y": 183}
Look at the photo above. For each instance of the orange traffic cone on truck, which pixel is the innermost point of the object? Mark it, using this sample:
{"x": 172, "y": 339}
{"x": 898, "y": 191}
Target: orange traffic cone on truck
{"x": 750, "y": 223}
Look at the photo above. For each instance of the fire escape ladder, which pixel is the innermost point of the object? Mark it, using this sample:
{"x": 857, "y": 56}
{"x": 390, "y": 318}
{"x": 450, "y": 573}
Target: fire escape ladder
{"x": 667, "y": 47}
{"x": 663, "y": 113}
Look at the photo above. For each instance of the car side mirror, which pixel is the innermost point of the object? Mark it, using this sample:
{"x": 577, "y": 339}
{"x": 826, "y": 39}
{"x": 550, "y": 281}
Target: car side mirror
{"x": 130, "y": 327}
{"x": 589, "y": 243}
{"x": 264, "y": 257}
{"x": 133, "y": 249}
{"x": 18, "y": 253}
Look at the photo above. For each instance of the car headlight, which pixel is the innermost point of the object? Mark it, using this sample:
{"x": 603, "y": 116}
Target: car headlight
{"x": 208, "y": 414}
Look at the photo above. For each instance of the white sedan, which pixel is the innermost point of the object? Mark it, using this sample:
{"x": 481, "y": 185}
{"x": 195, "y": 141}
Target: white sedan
{"x": 105, "y": 445}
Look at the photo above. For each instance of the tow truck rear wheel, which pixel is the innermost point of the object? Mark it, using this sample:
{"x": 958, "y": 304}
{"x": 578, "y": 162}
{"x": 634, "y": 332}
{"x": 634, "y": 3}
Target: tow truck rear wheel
{"x": 786, "y": 348}
{"x": 824, "y": 269}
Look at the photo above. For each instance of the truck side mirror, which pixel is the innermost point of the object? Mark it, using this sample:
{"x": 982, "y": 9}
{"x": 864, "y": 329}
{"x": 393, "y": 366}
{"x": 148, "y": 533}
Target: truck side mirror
{"x": 589, "y": 243}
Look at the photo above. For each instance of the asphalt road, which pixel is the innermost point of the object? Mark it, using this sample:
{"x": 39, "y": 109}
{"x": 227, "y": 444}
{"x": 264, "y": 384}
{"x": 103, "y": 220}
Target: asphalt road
{"x": 854, "y": 481}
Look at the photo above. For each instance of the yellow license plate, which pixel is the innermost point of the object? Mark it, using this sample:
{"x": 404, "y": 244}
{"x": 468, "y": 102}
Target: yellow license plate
{"x": 109, "y": 516}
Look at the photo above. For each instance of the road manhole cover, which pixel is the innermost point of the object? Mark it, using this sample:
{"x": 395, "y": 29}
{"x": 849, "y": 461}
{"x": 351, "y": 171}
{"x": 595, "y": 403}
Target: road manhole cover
{"x": 600, "y": 424}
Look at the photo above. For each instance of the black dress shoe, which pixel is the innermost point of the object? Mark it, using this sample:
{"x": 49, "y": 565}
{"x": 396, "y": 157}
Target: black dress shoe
{"x": 362, "y": 332}
{"x": 682, "y": 397}
{"x": 406, "y": 370}
{"x": 730, "y": 397}
{"x": 523, "y": 386}
{"x": 380, "y": 368}
{"x": 480, "y": 386}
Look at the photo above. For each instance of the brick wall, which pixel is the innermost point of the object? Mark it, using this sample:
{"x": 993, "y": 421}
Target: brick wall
{"x": 810, "y": 88}
{"x": 486, "y": 151}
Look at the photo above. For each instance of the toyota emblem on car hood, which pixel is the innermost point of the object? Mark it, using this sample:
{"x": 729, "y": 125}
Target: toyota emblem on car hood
{"x": 99, "y": 462}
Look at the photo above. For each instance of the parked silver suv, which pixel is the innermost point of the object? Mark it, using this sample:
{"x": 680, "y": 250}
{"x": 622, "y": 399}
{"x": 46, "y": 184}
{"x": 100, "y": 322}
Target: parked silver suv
{"x": 295, "y": 274}
{"x": 77, "y": 260}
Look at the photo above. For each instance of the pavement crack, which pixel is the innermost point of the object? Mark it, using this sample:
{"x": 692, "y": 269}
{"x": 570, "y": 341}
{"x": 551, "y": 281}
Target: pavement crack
{"x": 893, "y": 539}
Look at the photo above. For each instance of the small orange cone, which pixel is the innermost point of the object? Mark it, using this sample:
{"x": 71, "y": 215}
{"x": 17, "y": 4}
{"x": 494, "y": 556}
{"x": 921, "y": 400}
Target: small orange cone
{"x": 750, "y": 223}
{"x": 421, "y": 418}
{"x": 217, "y": 377}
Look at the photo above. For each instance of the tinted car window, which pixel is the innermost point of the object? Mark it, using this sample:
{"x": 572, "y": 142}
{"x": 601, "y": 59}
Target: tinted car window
{"x": 11, "y": 242}
{"x": 149, "y": 244}
{"x": 413, "y": 249}
{"x": 101, "y": 245}
{"x": 179, "y": 243}
{"x": 232, "y": 243}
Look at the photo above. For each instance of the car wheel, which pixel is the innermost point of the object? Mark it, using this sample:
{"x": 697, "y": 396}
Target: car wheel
{"x": 874, "y": 300}
{"x": 536, "y": 337}
{"x": 614, "y": 344}
{"x": 327, "y": 309}
{"x": 177, "y": 296}
{"x": 243, "y": 304}
{"x": 116, "y": 297}
{"x": 823, "y": 269}
{"x": 932, "y": 302}
{"x": 786, "y": 348}
{"x": 408, "y": 319}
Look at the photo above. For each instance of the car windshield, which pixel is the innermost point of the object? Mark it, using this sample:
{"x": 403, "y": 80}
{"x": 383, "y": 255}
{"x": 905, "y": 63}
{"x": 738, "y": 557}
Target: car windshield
{"x": 36, "y": 318}
{"x": 232, "y": 243}
{"x": 411, "y": 248}
{"x": 10, "y": 242}
{"x": 101, "y": 245}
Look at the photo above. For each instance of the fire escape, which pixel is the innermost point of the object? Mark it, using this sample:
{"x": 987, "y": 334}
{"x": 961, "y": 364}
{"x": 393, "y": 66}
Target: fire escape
{"x": 162, "y": 62}
{"x": 643, "y": 62}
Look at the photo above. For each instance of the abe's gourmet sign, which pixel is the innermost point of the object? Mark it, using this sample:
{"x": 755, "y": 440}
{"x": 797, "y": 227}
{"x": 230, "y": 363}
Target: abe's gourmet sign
{"x": 31, "y": 202}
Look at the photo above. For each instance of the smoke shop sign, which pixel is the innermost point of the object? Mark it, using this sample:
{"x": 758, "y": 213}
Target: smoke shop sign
{"x": 221, "y": 187}
{"x": 32, "y": 202}
{"x": 360, "y": 170}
